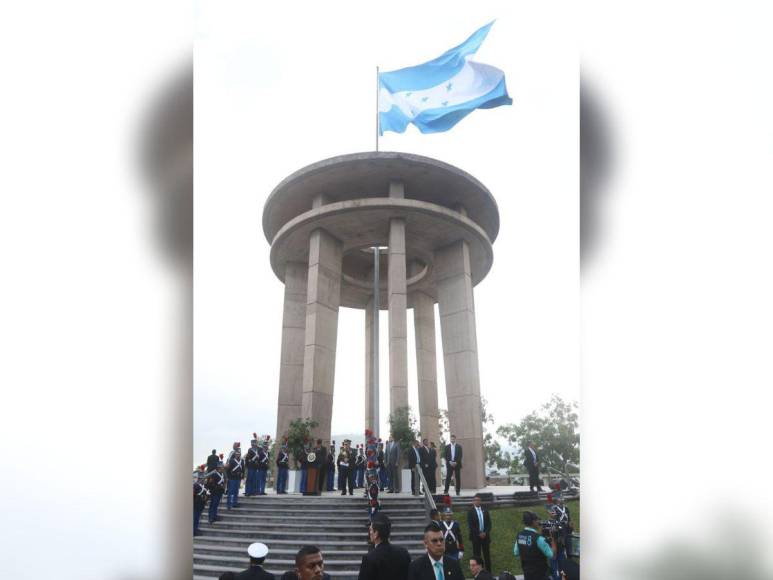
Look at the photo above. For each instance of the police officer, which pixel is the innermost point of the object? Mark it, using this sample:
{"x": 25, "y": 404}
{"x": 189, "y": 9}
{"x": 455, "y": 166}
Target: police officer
{"x": 533, "y": 549}
{"x": 199, "y": 500}
{"x": 216, "y": 487}
{"x": 235, "y": 472}
{"x": 452, "y": 534}
{"x": 251, "y": 462}
{"x": 282, "y": 466}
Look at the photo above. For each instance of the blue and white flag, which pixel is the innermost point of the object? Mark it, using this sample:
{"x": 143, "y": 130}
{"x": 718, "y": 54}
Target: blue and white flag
{"x": 438, "y": 94}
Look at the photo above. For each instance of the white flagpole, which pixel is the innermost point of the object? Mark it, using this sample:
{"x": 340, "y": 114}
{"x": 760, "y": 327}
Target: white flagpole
{"x": 377, "y": 89}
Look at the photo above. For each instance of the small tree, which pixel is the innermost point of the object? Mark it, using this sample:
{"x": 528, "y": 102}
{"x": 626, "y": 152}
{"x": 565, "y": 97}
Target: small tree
{"x": 554, "y": 428}
{"x": 299, "y": 434}
{"x": 402, "y": 426}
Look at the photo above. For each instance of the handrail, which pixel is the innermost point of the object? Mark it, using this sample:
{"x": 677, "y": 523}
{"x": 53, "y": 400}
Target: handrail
{"x": 572, "y": 480}
{"x": 428, "y": 499}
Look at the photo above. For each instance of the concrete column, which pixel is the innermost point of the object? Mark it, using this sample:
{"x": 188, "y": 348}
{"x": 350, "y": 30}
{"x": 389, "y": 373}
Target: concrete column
{"x": 426, "y": 369}
{"x": 460, "y": 356}
{"x": 369, "y": 411}
{"x": 398, "y": 303}
{"x": 322, "y": 302}
{"x": 293, "y": 341}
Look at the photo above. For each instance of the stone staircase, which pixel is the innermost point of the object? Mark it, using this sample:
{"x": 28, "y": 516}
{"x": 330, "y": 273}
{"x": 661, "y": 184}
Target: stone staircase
{"x": 336, "y": 524}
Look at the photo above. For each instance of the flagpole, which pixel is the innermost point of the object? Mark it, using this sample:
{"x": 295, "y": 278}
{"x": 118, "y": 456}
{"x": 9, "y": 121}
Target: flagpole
{"x": 377, "y": 88}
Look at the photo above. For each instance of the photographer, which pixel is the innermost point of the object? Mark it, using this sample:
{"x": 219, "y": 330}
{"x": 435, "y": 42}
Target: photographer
{"x": 533, "y": 549}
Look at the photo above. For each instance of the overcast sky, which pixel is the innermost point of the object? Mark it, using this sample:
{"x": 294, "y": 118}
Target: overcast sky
{"x": 280, "y": 87}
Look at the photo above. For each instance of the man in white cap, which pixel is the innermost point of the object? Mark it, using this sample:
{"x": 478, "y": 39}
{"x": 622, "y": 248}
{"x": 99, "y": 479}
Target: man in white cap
{"x": 257, "y": 553}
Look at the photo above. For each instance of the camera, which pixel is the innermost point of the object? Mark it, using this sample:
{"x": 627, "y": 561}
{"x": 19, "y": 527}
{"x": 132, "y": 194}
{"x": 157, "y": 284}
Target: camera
{"x": 553, "y": 530}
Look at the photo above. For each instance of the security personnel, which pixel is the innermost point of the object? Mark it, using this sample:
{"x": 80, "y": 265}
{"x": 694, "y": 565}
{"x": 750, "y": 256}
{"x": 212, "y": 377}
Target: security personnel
{"x": 533, "y": 549}
{"x": 251, "y": 462}
{"x": 331, "y": 466}
{"x": 216, "y": 486}
{"x": 263, "y": 461}
{"x": 452, "y": 534}
{"x": 346, "y": 469}
{"x": 235, "y": 473}
{"x": 304, "y": 466}
{"x": 321, "y": 452}
{"x": 282, "y": 465}
{"x": 199, "y": 501}
{"x": 212, "y": 461}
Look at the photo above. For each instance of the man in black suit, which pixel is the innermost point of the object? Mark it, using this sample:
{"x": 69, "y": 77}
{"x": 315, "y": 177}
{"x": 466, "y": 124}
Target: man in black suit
{"x": 257, "y": 553}
{"x": 393, "y": 465}
{"x": 434, "y": 565}
{"x": 426, "y": 463}
{"x": 432, "y": 481}
{"x": 479, "y": 524}
{"x": 478, "y": 572}
{"x": 453, "y": 457}
{"x": 385, "y": 561}
{"x": 414, "y": 459}
{"x": 531, "y": 462}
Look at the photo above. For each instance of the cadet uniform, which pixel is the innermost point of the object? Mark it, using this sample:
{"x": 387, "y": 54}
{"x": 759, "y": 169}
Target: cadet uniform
{"x": 235, "y": 474}
{"x": 251, "y": 462}
{"x": 199, "y": 501}
{"x": 282, "y": 464}
{"x": 263, "y": 459}
{"x": 452, "y": 534}
{"x": 374, "y": 506}
{"x": 216, "y": 487}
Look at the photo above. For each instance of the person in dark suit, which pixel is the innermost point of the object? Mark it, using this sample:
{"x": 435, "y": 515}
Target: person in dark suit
{"x": 393, "y": 465}
{"x": 385, "y": 561}
{"x": 432, "y": 481}
{"x": 479, "y": 524}
{"x": 414, "y": 459}
{"x": 426, "y": 470}
{"x": 212, "y": 461}
{"x": 531, "y": 462}
{"x": 478, "y": 572}
{"x": 434, "y": 565}
{"x": 453, "y": 457}
{"x": 257, "y": 553}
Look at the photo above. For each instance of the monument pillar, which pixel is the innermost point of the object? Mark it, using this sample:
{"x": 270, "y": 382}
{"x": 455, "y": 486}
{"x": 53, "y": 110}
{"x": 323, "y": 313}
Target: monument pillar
{"x": 293, "y": 341}
{"x": 369, "y": 407}
{"x": 426, "y": 369}
{"x": 322, "y": 302}
{"x": 460, "y": 356}
{"x": 398, "y": 302}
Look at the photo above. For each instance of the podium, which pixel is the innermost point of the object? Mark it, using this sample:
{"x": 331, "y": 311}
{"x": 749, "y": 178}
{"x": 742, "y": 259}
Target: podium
{"x": 312, "y": 475}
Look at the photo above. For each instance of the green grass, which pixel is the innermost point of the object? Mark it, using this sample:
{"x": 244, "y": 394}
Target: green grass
{"x": 505, "y": 524}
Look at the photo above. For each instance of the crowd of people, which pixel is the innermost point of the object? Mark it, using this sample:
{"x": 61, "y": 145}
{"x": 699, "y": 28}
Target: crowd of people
{"x": 541, "y": 557}
{"x": 375, "y": 467}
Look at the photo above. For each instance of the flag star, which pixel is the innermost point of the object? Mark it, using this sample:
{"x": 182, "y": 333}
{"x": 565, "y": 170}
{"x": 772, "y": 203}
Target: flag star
{"x": 444, "y": 103}
{"x": 408, "y": 95}
{"x": 448, "y": 86}
{"x": 424, "y": 99}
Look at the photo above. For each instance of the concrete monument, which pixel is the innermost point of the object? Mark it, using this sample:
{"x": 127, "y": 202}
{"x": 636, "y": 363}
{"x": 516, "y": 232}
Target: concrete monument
{"x": 433, "y": 226}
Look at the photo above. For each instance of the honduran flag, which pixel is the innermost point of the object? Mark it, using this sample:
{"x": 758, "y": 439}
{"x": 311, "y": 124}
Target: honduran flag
{"x": 438, "y": 94}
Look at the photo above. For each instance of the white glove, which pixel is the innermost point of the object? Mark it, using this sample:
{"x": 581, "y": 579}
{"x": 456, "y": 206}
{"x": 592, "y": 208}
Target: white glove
{"x": 461, "y": 555}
